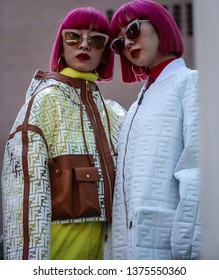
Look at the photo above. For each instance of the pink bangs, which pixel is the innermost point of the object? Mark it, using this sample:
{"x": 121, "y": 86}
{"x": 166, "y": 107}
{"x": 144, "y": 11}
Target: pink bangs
{"x": 85, "y": 18}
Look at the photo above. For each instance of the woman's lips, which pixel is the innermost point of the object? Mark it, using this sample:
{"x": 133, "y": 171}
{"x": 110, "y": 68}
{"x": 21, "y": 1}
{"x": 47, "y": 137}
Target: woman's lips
{"x": 135, "y": 53}
{"x": 83, "y": 56}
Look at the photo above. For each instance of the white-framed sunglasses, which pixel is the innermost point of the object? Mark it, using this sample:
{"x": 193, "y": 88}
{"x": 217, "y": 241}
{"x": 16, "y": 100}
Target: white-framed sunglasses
{"x": 96, "y": 40}
{"x": 132, "y": 32}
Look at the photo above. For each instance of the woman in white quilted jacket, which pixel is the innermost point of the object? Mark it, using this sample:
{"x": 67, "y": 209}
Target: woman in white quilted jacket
{"x": 156, "y": 199}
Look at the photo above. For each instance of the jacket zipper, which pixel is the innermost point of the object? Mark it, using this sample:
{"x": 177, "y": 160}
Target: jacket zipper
{"x": 129, "y": 225}
{"x": 101, "y": 147}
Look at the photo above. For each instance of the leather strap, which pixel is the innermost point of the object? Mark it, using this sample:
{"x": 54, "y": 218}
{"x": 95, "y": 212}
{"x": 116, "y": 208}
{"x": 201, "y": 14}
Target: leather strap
{"x": 24, "y": 129}
{"x": 106, "y": 159}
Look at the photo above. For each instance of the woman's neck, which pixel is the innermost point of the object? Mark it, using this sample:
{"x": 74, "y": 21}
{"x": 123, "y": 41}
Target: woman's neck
{"x": 161, "y": 58}
{"x": 158, "y": 68}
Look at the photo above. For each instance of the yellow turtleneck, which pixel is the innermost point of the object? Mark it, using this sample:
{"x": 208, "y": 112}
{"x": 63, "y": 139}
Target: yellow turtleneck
{"x": 88, "y": 76}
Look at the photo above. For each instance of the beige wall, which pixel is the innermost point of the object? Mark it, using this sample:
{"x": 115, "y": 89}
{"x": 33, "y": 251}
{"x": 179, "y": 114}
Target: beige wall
{"x": 207, "y": 42}
{"x": 27, "y": 32}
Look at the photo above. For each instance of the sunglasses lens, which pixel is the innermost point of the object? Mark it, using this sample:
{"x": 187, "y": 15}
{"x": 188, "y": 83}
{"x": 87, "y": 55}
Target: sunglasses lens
{"x": 133, "y": 31}
{"x": 72, "y": 38}
{"x": 97, "y": 41}
{"x": 118, "y": 45}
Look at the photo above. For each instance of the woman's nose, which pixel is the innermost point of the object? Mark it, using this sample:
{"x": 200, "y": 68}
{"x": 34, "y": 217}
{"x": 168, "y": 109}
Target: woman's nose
{"x": 128, "y": 42}
{"x": 84, "y": 43}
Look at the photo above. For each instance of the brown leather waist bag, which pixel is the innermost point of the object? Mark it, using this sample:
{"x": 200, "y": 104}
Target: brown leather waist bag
{"x": 74, "y": 188}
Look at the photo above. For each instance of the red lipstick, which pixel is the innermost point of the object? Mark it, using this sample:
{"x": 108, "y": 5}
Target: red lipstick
{"x": 135, "y": 53}
{"x": 83, "y": 56}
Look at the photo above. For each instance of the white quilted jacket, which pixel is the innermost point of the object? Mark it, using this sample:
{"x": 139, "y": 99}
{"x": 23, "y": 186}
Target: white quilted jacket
{"x": 156, "y": 201}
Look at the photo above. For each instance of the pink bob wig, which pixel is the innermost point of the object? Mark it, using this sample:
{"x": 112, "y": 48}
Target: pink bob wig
{"x": 171, "y": 40}
{"x": 84, "y": 18}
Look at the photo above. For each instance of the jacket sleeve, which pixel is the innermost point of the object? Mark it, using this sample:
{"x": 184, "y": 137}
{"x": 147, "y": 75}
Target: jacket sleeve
{"x": 117, "y": 116}
{"x": 185, "y": 239}
{"x": 29, "y": 167}
{"x": 116, "y": 113}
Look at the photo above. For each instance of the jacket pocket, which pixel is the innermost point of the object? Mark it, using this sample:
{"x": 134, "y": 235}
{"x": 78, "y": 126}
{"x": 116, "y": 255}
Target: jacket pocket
{"x": 151, "y": 230}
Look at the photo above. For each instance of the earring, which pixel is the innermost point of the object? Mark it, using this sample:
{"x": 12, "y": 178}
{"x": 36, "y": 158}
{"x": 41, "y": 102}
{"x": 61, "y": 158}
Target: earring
{"x": 59, "y": 60}
{"x": 142, "y": 73}
{"x": 99, "y": 78}
{"x": 96, "y": 73}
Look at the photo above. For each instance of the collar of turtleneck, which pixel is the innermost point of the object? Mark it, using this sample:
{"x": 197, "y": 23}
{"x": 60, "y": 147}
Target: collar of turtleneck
{"x": 88, "y": 76}
{"x": 156, "y": 70}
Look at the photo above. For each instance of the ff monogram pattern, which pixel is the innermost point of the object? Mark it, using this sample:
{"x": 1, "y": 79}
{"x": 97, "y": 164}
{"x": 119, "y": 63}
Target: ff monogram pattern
{"x": 56, "y": 112}
{"x": 156, "y": 201}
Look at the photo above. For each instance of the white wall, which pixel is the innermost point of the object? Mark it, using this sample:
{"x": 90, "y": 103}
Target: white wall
{"x": 207, "y": 61}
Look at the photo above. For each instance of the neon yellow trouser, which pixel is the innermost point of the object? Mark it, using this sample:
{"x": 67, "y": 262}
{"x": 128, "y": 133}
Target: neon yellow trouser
{"x": 78, "y": 241}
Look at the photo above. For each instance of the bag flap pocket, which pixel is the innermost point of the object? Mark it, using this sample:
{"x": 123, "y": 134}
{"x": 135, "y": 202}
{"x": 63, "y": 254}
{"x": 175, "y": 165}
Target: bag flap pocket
{"x": 86, "y": 174}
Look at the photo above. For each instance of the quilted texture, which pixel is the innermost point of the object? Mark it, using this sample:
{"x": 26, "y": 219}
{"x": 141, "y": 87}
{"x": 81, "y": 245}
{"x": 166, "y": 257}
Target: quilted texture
{"x": 156, "y": 200}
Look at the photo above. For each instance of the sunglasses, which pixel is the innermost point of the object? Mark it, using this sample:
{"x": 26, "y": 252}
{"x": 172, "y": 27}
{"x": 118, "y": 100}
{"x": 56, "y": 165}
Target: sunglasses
{"x": 95, "y": 40}
{"x": 132, "y": 32}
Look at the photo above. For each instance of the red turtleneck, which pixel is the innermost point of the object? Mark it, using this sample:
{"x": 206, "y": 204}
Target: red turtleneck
{"x": 156, "y": 70}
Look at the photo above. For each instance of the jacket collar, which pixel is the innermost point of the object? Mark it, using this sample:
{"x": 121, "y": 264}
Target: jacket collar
{"x": 173, "y": 67}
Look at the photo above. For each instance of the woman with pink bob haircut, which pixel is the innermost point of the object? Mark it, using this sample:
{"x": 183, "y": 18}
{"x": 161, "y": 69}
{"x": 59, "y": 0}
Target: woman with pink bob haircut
{"x": 84, "y": 18}
{"x": 156, "y": 198}
{"x": 64, "y": 143}
{"x": 170, "y": 38}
